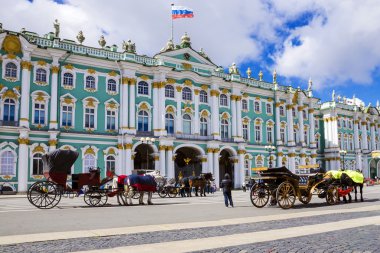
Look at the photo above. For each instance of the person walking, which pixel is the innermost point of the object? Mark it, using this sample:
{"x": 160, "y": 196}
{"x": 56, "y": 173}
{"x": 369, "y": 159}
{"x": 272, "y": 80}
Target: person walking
{"x": 227, "y": 186}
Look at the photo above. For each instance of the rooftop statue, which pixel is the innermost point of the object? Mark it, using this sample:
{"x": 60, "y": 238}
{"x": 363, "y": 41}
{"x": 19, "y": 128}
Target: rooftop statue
{"x": 261, "y": 75}
{"x": 309, "y": 87}
{"x": 202, "y": 52}
{"x": 56, "y": 28}
{"x": 169, "y": 46}
{"x": 129, "y": 47}
{"x": 80, "y": 37}
{"x": 249, "y": 72}
{"x": 333, "y": 96}
{"x": 102, "y": 42}
{"x": 185, "y": 41}
{"x": 274, "y": 76}
{"x": 233, "y": 69}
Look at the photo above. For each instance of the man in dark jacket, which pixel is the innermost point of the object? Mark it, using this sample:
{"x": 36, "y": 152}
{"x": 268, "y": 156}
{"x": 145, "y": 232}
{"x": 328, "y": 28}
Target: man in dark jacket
{"x": 227, "y": 185}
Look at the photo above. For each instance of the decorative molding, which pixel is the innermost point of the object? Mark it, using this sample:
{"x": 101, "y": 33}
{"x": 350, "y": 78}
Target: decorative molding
{"x": 188, "y": 83}
{"x": 144, "y": 77}
{"x": 23, "y": 141}
{"x": 26, "y": 65}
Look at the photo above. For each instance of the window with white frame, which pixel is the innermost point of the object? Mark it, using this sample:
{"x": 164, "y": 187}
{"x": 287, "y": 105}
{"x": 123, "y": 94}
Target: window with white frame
{"x": 344, "y": 123}
{"x": 203, "y": 127}
{"x": 111, "y": 120}
{"x": 316, "y": 123}
{"x": 37, "y": 164}
{"x": 269, "y": 108}
{"x": 169, "y": 91}
{"x": 169, "y": 123}
{"x": 351, "y": 143}
{"x": 269, "y": 134}
{"x": 223, "y": 100}
{"x": 90, "y": 83}
{"x": 187, "y": 94}
{"x": 282, "y": 134}
{"x": 246, "y": 168}
{"x": 257, "y": 107}
{"x": 143, "y": 121}
{"x": 203, "y": 98}
{"x": 67, "y": 115}
{"x": 245, "y": 131}
{"x": 110, "y": 163}
{"x": 39, "y": 114}
{"x": 111, "y": 86}
{"x": 143, "y": 88}
{"x": 282, "y": 111}
{"x": 257, "y": 133}
{"x": 224, "y": 129}
{"x": 259, "y": 162}
{"x": 11, "y": 70}
{"x": 9, "y": 111}
{"x": 186, "y": 124}
{"x": 89, "y": 162}
{"x": 41, "y": 75}
{"x": 68, "y": 79}
{"x": 244, "y": 104}
{"x": 89, "y": 117}
{"x": 306, "y": 135}
{"x": 7, "y": 163}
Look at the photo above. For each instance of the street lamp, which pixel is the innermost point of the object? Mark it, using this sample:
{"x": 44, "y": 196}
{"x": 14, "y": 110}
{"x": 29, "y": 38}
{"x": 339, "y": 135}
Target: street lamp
{"x": 270, "y": 149}
{"x": 147, "y": 141}
{"x": 343, "y": 153}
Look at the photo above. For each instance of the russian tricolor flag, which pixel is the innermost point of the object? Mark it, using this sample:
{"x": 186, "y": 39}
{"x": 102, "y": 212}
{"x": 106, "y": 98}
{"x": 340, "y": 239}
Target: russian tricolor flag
{"x": 181, "y": 12}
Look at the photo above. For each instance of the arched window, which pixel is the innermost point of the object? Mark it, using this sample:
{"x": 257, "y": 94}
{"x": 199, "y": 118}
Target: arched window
{"x": 11, "y": 70}
{"x": 186, "y": 94}
{"x": 223, "y": 100}
{"x": 169, "y": 123}
{"x": 245, "y": 131}
{"x": 41, "y": 75}
{"x": 143, "y": 121}
{"x": 110, "y": 163}
{"x": 68, "y": 79}
{"x": 224, "y": 129}
{"x": 257, "y": 106}
{"x": 111, "y": 85}
{"x": 269, "y": 108}
{"x": 203, "y": 129}
{"x": 282, "y": 111}
{"x": 203, "y": 97}
{"x": 169, "y": 91}
{"x": 39, "y": 114}
{"x": 9, "y": 110}
{"x": 186, "y": 124}
{"x": 90, "y": 82}
{"x": 143, "y": 88}
{"x": 89, "y": 162}
{"x": 7, "y": 163}
{"x": 244, "y": 104}
{"x": 37, "y": 164}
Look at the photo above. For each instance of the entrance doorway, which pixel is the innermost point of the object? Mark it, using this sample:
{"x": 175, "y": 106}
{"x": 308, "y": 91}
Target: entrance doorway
{"x": 226, "y": 165}
{"x": 144, "y": 159}
{"x": 187, "y": 162}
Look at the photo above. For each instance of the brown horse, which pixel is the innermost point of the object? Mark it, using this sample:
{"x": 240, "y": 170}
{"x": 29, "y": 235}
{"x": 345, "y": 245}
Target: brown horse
{"x": 200, "y": 182}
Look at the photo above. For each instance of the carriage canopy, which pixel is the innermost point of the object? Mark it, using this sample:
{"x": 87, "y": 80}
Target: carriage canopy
{"x": 59, "y": 161}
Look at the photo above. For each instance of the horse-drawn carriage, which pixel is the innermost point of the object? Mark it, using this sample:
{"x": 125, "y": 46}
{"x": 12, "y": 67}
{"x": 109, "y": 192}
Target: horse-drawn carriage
{"x": 46, "y": 194}
{"x": 284, "y": 187}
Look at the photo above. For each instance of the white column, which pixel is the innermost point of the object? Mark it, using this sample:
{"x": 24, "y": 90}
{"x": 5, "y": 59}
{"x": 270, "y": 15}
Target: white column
{"x": 132, "y": 105}
{"x": 234, "y": 116}
{"x": 161, "y": 111}
{"x": 215, "y": 115}
{"x": 162, "y": 160}
{"x": 210, "y": 160}
{"x": 240, "y": 173}
{"x": 280, "y": 154}
{"x": 196, "y": 112}
{"x": 53, "y": 124}
{"x": 129, "y": 163}
{"x": 205, "y": 168}
{"x": 156, "y": 158}
{"x": 25, "y": 93}
{"x": 170, "y": 162}
{"x": 364, "y": 136}
{"x": 292, "y": 161}
{"x": 124, "y": 109}
{"x": 239, "y": 123}
{"x": 156, "y": 127}
{"x": 373, "y": 137}
{"x": 326, "y": 132}
{"x": 290, "y": 123}
{"x": 301, "y": 125}
{"x": 52, "y": 140}
{"x": 356, "y": 135}
{"x": 23, "y": 160}
{"x": 312, "y": 128}
{"x": 178, "y": 121}
{"x": 334, "y": 131}
{"x": 216, "y": 167}
{"x": 278, "y": 123}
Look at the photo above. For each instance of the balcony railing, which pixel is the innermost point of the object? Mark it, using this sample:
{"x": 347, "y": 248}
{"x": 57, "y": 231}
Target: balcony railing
{"x": 145, "y": 133}
{"x": 9, "y": 123}
{"x": 191, "y": 137}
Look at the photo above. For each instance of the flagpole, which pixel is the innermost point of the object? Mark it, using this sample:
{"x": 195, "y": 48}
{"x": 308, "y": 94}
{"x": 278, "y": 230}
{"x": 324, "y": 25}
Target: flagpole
{"x": 172, "y": 24}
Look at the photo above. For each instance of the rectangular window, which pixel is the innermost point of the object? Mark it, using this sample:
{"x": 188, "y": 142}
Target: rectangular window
{"x": 316, "y": 123}
{"x": 39, "y": 114}
{"x": 269, "y": 109}
{"x": 257, "y": 133}
{"x": 67, "y": 116}
{"x": 89, "y": 118}
{"x": 282, "y": 111}
{"x": 111, "y": 120}
{"x": 282, "y": 134}
{"x": 269, "y": 135}
{"x": 245, "y": 132}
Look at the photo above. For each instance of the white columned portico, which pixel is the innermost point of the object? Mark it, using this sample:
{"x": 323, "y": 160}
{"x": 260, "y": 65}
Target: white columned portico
{"x": 292, "y": 161}
{"x": 216, "y": 167}
{"x": 280, "y": 154}
{"x": 240, "y": 177}
{"x": 53, "y": 123}
{"x": 124, "y": 109}
{"x": 156, "y": 127}
{"x": 52, "y": 140}
{"x": 196, "y": 112}
{"x": 204, "y": 164}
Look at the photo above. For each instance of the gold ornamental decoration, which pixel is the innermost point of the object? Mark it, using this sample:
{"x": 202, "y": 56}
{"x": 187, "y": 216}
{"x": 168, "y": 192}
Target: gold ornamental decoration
{"x": 187, "y": 66}
{"x": 144, "y": 106}
{"x": 170, "y": 109}
{"x": 23, "y": 141}
{"x": 10, "y": 94}
{"x": 112, "y": 73}
{"x": 225, "y": 116}
{"x": 52, "y": 142}
{"x": 196, "y": 92}
{"x": 55, "y": 69}
{"x": 12, "y": 44}
{"x": 41, "y": 63}
{"x": 144, "y": 77}
{"x": 179, "y": 88}
{"x": 170, "y": 81}
{"x": 204, "y": 87}
{"x": 128, "y": 146}
{"x": 26, "y": 65}
{"x": 188, "y": 83}
{"x": 89, "y": 151}
{"x": 91, "y": 71}
{"x": 241, "y": 152}
{"x": 225, "y": 91}
{"x": 69, "y": 66}
{"x": 38, "y": 149}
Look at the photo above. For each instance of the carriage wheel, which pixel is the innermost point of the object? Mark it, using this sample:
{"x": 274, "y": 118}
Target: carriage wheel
{"x": 286, "y": 195}
{"x": 162, "y": 192}
{"x": 259, "y": 195}
{"x": 44, "y": 194}
{"x": 172, "y": 192}
{"x": 305, "y": 198}
{"x": 95, "y": 198}
{"x": 332, "y": 195}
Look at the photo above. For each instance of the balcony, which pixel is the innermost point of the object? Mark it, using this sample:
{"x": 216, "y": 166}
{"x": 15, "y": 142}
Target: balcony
{"x": 9, "y": 123}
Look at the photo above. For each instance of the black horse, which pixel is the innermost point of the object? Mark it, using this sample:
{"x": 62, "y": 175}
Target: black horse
{"x": 346, "y": 181}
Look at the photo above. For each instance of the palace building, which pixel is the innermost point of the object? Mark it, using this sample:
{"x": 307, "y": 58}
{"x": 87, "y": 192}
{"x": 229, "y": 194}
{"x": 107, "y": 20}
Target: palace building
{"x": 176, "y": 112}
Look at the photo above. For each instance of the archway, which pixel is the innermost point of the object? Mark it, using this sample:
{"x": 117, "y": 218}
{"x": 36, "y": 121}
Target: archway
{"x": 226, "y": 165}
{"x": 187, "y": 162}
{"x": 373, "y": 168}
{"x": 144, "y": 159}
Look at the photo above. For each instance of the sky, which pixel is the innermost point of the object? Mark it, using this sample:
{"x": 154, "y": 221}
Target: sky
{"x": 333, "y": 42}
